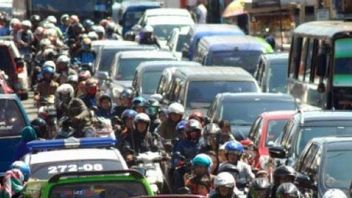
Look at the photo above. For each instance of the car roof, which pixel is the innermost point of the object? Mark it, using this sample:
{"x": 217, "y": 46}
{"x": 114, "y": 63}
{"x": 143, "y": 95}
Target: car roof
{"x": 127, "y": 5}
{"x": 112, "y": 43}
{"x": 334, "y": 142}
{"x": 276, "y": 56}
{"x": 307, "y": 116}
{"x": 167, "y": 12}
{"x": 146, "y": 54}
{"x": 74, "y": 154}
{"x": 199, "y": 28}
{"x": 324, "y": 28}
{"x": 254, "y": 96}
{"x": 9, "y": 96}
{"x": 215, "y": 73}
{"x": 128, "y": 45}
{"x": 278, "y": 114}
{"x": 170, "y": 20}
{"x": 156, "y": 65}
{"x": 230, "y": 43}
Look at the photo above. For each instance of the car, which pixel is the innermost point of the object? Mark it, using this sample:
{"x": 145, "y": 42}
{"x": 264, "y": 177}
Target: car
{"x": 125, "y": 64}
{"x": 165, "y": 20}
{"x": 13, "y": 118}
{"x": 118, "y": 183}
{"x": 195, "y": 87}
{"x": 323, "y": 165}
{"x": 106, "y": 53}
{"x": 241, "y": 109}
{"x": 271, "y": 72}
{"x": 14, "y": 67}
{"x": 147, "y": 76}
{"x": 240, "y": 51}
{"x": 264, "y": 131}
{"x": 4, "y": 85}
{"x": 306, "y": 125}
{"x": 177, "y": 40}
{"x": 199, "y": 31}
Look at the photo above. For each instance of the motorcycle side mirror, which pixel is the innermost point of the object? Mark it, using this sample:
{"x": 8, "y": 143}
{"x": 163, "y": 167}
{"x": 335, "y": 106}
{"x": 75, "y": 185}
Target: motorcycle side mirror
{"x": 277, "y": 152}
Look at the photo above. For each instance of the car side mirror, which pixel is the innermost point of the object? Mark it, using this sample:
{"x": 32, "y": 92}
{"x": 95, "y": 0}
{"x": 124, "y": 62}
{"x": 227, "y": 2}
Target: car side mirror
{"x": 277, "y": 152}
{"x": 102, "y": 75}
{"x": 305, "y": 181}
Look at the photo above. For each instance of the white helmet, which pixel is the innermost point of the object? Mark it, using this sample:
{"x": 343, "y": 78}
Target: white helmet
{"x": 176, "y": 108}
{"x": 63, "y": 59}
{"x": 334, "y": 193}
{"x": 51, "y": 19}
{"x": 93, "y": 36}
{"x": 27, "y": 23}
{"x": 65, "y": 89}
{"x": 224, "y": 179}
{"x": 148, "y": 28}
{"x": 142, "y": 117}
{"x": 73, "y": 78}
{"x": 49, "y": 64}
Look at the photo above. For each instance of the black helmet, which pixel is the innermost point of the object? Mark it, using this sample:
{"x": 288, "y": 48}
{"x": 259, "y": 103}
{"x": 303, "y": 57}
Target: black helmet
{"x": 105, "y": 97}
{"x": 287, "y": 190}
{"x": 35, "y": 18}
{"x": 229, "y": 168}
{"x": 127, "y": 93}
{"x": 260, "y": 188}
{"x": 284, "y": 172}
{"x": 88, "y": 24}
{"x": 40, "y": 126}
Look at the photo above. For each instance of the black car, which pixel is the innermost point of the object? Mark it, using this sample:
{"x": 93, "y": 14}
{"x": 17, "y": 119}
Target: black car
{"x": 305, "y": 126}
{"x": 324, "y": 164}
{"x": 241, "y": 109}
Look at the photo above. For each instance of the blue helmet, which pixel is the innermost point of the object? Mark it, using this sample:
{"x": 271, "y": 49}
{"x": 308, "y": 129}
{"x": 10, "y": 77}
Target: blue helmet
{"x": 23, "y": 167}
{"x": 202, "y": 160}
{"x": 181, "y": 125}
{"x": 139, "y": 102}
{"x": 234, "y": 146}
{"x": 48, "y": 70}
{"x": 128, "y": 113}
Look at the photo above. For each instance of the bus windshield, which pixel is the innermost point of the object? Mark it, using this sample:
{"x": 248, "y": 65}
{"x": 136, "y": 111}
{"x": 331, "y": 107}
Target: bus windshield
{"x": 343, "y": 62}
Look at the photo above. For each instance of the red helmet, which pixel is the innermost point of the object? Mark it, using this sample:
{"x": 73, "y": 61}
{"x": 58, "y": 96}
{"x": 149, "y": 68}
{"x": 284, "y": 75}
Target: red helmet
{"x": 197, "y": 115}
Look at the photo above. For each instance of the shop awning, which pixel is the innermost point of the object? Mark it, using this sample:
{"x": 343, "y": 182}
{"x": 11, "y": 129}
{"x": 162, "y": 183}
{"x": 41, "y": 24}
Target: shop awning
{"x": 234, "y": 8}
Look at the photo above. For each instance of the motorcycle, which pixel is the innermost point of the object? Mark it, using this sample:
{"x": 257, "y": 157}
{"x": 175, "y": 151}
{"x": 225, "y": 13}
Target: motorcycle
{"x": 48, "y": 113}
{"x": 65, "y": 130}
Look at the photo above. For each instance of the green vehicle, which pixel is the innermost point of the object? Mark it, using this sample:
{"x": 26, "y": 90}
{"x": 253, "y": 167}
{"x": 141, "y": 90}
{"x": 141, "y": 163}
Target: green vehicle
{"x": 120, "y": 183}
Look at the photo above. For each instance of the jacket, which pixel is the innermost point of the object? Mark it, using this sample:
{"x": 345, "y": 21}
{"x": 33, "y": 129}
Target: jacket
{"x": 167, "y": 130}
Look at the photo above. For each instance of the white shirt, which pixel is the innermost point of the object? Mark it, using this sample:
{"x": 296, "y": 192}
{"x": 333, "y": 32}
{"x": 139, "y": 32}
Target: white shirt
{"x": 202, "y": 13}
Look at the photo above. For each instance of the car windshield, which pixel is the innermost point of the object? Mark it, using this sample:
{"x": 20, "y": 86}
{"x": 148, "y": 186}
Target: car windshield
{"x": 107, "y": 55}
{"x": 275, "y": 128}
{"x": 46, "y": 170}
{"x": 337, "y": 173}
{"x": 277, "y": 76}
{"x": 11, "y": 118}
{"x": 132, "y": 17}
{"x": 182, "y": 39}
{"x": 164, "y": 31}
{"x": 76, "y": 6}
{"x": 308, "y": 133}
{"x": 203, "y": 92}
{"x": 243, "y": 113}
{"x": 113, "y": 189}
{"x": 5, "y": 61}
{"x": 246, "y": 59}
{"x": 150, "y": 81}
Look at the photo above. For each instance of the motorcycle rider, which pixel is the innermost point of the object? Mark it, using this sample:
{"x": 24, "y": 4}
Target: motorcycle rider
{"x": 152, "y": 111}
{"x": 260, "y": 188}
{"x": 111, "y": 31}
{"x": 14, "y": 180}
{"x": 224, "y": 184}
{"x": 47, "y": 86}
{"x": 234, "y": 151}
{"x": 147, "y": 37}
{"x": 28, "y": 134}
{"x": 105, "y": 107}
{"x": 76, "y": 111}
{"x": 125, "y": 101}
{"x": 197, "y": 115}
{"x": 41, "y": 128}
{"x": 86, "y": 55}
{"x": 168, "y": 127}
{"x": 334, "y": 193}
{"x": 127, "y": 120}
{"x": 63, "y": 68}
{"x": 287, "y": 190}
{"x": 281, "y": 175}
{"x": 91, "y": 90}
{"x": 139, "y": 104}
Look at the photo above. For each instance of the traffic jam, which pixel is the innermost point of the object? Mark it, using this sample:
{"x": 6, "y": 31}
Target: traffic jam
{"x": 175, "y": 98}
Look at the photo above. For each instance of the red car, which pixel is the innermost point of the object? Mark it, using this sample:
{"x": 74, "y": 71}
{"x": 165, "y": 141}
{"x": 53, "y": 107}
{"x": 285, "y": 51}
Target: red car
{"x": 265, "y": 130}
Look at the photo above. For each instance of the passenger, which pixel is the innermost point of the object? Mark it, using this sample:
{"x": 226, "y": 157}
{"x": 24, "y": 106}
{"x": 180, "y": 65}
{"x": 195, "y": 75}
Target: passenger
{"x": 147, "y": 37}
{"x": 90, "y": 96}
{"x": 105, "y": 107}
{"x": 167, "y": 128}
{"x": 224, "y": 185}
{"x": 288, "y": 190}
{"x": 125, "y": 101}
{"x": 48, "y": 86}
{"x": 281, "y": 175}
{"x": 260, "y": 188}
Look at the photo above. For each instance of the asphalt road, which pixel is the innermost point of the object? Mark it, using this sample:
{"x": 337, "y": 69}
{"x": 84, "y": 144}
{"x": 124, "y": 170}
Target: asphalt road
{"x": 29, "y": 106}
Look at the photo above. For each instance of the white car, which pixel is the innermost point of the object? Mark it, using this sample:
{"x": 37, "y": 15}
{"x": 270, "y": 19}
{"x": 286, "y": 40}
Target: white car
{"x": 177, "y": 40}
{"x": 51, "y": 157}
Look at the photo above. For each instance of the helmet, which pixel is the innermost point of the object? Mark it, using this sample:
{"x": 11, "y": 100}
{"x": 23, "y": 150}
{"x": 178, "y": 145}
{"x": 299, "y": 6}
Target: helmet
{"x": 202, "y": 160}
{"x": 65, "y": 92}
{"x": 153, "y": 107}
{"x": 23, "y": 167}
{"x": 27, "y": 23}
{"x": 212, "y": 128}
{"x": 105, "y": 97}
{"x": 247, "y": 143}
{"x": 88, "y": 24}
{"x": 72, "y": 78}
{"x": 64, "y": 18}
{"x": 28, "y": 134}
{"x": 139, "y": 102}
{"x": 44, "y": 43}
{"x": 334, "y": 193}
{"x": 197, "y": 115}
{"x": 142, "y": 117}
{"x": 63, "y": 59}
{"x": 148, "y": 28}
{"x": 99, "y": 30}
{"x": 176, "y": 108}
{"x": 287, "y": 190}
{"x": 224, "y": 179}
{"x": 35, "y": 18}
{"x": 126, "y": 93}
{"x": 181, "y": 126}
{"x": 260, "y": 187}
{"x": 229, "y": 168}
{"x": 49, "y": 64}
{"x": 234, "y": 146}
{"x": 128, "y": 113}
{"x": 40, "y": 126}
{"x": 52, "y": 19}
{"x": 110, "y": 26}
{"x": 194, "y": 125}
{"x": 84, "y": 75}
{"x": 93, "y": 36}
{"x": 48, "y": 70}
{"x": 284, "y": 171}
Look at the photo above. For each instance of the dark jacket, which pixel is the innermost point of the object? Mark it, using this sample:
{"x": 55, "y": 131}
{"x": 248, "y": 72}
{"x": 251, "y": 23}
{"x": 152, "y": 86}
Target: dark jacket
{"x": 89, "y": 101}
{"x": 138, "y": 143}
{"x": 77, "y": 109}
{"x": 167, "y": 129}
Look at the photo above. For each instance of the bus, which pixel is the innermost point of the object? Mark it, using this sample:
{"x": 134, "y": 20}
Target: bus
{"x": 93, "y": 9}
{"x": 320, "y": 65}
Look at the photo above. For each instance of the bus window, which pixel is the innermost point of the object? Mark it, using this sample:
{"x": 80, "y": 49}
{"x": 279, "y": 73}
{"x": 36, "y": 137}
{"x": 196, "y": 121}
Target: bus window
{"x": 303, "y": 60}
{"x": 296, "y": 55}
{"x": 314, "y": 60}
{"x": 309, "y": 58}
{"x": 343, "y": 62}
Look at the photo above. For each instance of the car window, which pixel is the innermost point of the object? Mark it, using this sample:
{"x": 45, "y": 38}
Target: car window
{"x": 253, "y": 132}
{"x": 46, "y": 170}
{"x": 150, "y": 81}
{"x": 182, "y": 39}
{"x": 5, "y": 61}
{"x": 11, "y": 118}
{"x": 117, "y": 189}
{"x": 277, "y": 77}
{"x": 275, "y": 128}
{"x": 306, "y": 163}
